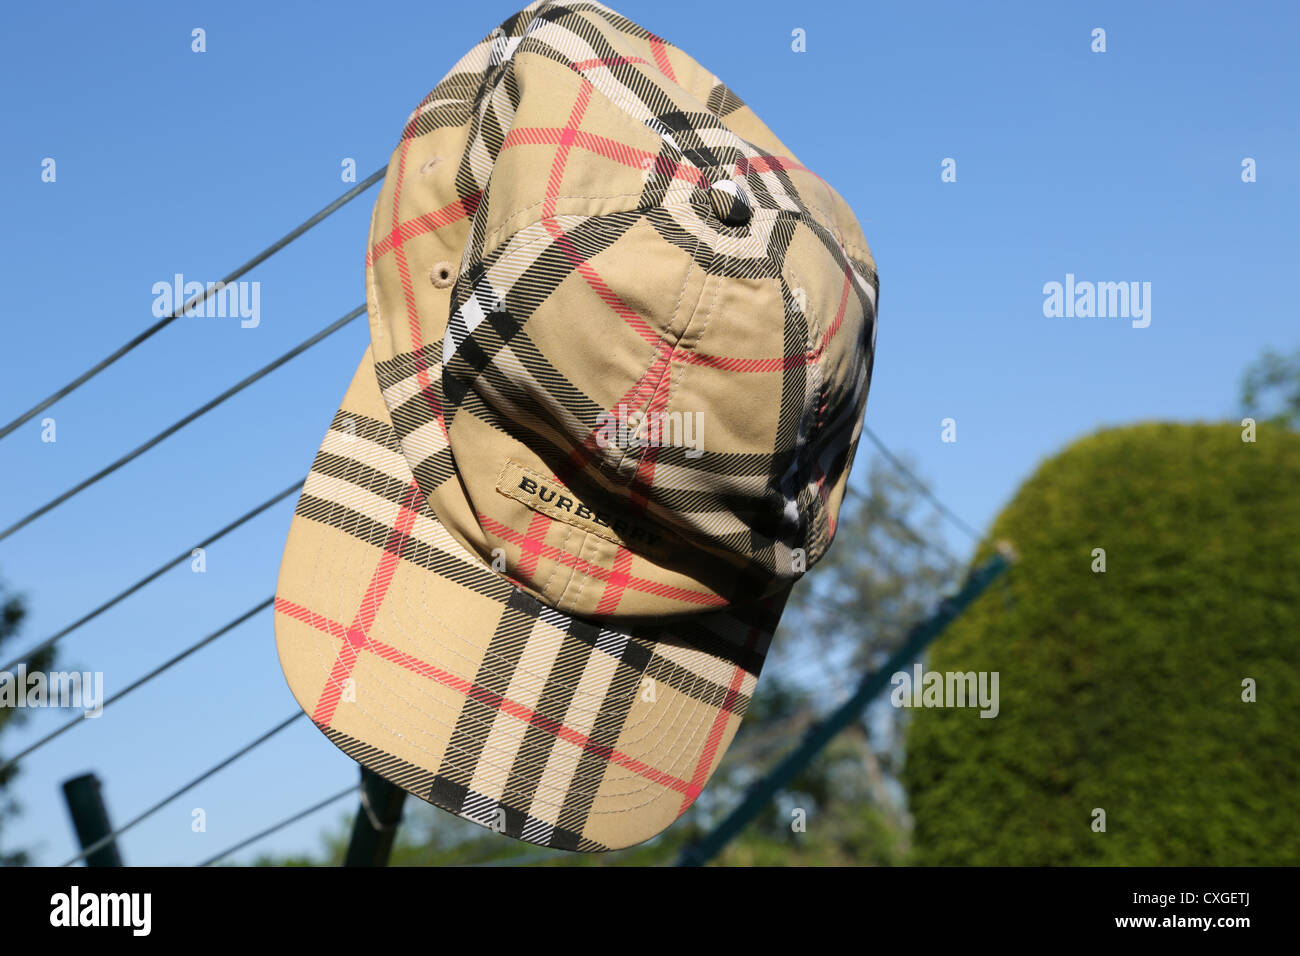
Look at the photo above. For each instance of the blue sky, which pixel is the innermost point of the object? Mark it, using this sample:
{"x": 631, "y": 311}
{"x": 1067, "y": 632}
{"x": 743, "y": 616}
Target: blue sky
{"x": 1115, "y": 166}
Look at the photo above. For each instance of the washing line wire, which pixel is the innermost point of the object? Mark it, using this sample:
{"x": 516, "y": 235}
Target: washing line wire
{"x": 280, "y": 825}
{"x": 177, "y": 426}
{"x": 161, "y": 324}
{"x": 921, "y": 487}
{"x": 151, "y": 576}
{"x": 140, "y": 817}
{"x": 169, "y": 663}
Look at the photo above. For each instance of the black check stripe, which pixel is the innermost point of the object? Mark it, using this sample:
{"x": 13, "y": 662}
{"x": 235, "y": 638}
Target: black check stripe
{"x": 603, "y": 736}
{"x": 406, "y": 775}
{"x": 556, "y": 698}
{"x": 479, "y": 711}
{"x": 456, "y": 798}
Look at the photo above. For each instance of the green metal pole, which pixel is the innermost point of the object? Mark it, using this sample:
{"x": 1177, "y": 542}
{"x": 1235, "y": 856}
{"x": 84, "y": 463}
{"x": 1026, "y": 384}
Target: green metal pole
{"x": 90, "y": 818}
{"x": 375, "y": 827}
{"x": 821, "y": 733}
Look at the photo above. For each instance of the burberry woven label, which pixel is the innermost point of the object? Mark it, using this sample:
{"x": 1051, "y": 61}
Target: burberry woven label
{"x": 547, "y": 496}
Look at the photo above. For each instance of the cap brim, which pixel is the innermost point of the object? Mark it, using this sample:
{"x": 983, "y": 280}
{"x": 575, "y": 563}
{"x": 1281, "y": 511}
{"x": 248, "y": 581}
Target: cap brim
{"x": 430, "y": 668}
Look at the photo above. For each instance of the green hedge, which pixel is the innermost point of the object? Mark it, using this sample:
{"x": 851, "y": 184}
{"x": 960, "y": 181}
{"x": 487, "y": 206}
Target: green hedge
{"x": 1123, "y": 690}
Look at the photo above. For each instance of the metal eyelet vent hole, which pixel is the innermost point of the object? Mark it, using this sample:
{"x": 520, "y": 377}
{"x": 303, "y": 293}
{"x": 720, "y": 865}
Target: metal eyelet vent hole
{"x": 443, "y": 275}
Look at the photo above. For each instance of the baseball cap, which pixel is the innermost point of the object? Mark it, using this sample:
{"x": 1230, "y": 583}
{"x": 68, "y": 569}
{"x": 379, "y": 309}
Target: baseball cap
{"x": 620, "y": 346}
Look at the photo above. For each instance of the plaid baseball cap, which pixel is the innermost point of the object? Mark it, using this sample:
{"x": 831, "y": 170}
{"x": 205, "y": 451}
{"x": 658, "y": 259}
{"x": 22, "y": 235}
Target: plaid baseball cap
{"x": 621, "y": 342}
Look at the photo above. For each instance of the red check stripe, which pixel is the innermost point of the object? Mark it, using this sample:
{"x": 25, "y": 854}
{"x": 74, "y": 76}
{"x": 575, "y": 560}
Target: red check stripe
{"x": 763, "y": 164}
{"x": 395, "y": 242}
{"x": 505, "y": 533}
{"x": 582, "y": 455}
{"x": 356, "y": 634}
{"x": 582, "y": 66}
{"x": 639, "y": 486}
{"x": 602, "y": 146}
{"x": 567, "y": 138}
{"x": 428, "y": 222}
{"x": 484, "y": 696}
{"x": 616, "y": 583}
{"x": 661, "y": 57}
{"x": 839, "y": 313}
{"x": 531, "y": 548}
{"x": 701, "y": 775}
{"x": 562, "y": 153}
{"x": 399, "y": 255}
{"x": 728, "y": 364}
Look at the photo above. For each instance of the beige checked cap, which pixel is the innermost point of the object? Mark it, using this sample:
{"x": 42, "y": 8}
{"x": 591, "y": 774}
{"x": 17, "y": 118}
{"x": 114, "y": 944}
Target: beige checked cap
{"x": 621, "y": 342}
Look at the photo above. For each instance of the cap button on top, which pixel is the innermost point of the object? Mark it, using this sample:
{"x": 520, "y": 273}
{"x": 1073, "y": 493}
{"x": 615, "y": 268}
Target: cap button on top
{"x": 730, "y": 202}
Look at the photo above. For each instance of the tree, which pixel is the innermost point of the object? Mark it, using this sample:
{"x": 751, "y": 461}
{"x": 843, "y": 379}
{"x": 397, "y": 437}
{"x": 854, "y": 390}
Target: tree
{"x": 12, "y": 612}
{"x": 1158, "y": 690}
{"x": 1270, "y": 389}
